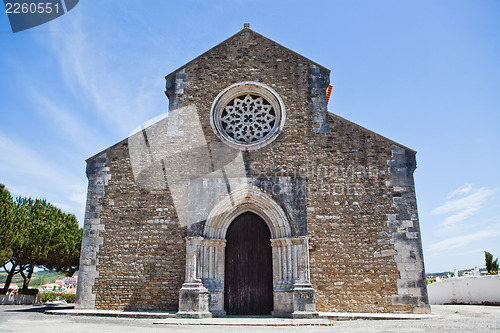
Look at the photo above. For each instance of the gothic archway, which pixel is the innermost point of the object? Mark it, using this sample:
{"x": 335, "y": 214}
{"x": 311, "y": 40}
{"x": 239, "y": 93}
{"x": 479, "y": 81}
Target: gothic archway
{"x": 293, "y": 294}
{"x": 247, "y": 199}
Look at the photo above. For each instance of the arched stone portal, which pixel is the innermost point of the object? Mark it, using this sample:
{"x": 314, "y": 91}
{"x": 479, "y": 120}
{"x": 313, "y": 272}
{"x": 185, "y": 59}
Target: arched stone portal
{"x": 239, "y": 201}
{"x": 202, "y": 294}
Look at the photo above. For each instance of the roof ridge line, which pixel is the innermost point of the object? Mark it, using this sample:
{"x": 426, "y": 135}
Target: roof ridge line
{"x": 236, "y": 34}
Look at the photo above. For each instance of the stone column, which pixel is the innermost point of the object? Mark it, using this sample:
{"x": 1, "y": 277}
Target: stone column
{"x": 293, "y": 293}
{"x": 212, "y": 275}
{"x": 193, "y": 296}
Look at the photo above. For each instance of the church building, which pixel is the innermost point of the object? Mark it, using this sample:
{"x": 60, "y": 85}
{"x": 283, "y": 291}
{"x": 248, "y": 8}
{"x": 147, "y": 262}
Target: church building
{"x": 250, "y": 198}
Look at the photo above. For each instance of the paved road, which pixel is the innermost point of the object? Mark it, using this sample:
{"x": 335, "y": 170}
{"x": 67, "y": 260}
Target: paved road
{"x": 452, "y": 318}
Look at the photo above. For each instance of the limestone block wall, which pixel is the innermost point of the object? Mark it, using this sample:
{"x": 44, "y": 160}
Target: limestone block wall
{"x": 98, "y": 176}
{"x": 366, "y": 252}
{"x": 405, "y": 233}
{"x": 352, "y": 263}
{"x": 346, "y": 189}
{"x": 141, "y": 260}
{"x": 279, "y": 167}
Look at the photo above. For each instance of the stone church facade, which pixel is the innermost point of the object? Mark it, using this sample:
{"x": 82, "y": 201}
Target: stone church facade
{"x": 249, "y": 197}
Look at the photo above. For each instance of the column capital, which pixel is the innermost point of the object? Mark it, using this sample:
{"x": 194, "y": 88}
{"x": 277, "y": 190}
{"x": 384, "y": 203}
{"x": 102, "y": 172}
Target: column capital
{"x": 299, "y": 240}
{"x": 214, "y": 242}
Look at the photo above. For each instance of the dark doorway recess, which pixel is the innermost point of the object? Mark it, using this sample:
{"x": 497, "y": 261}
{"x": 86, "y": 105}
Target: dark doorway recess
{"x": 248, "y": 286}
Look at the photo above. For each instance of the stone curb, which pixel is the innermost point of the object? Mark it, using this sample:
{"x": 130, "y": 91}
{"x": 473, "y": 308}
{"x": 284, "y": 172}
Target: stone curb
{"x": 169, "y": 318}
{"x": 112, "y": 313}
{"x": 375, "y": 316}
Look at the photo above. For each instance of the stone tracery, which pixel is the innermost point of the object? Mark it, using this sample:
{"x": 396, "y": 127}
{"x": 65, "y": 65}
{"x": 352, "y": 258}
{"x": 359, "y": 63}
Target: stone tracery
{"x": 247, "y": 115}
{"x": 248, "y": 118}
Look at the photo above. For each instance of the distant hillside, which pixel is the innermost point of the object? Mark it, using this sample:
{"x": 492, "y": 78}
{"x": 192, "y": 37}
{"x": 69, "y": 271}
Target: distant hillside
{"x": 38, "y": 278}
{"x": 438, "y": 274}
{"x": 460, "y": 272}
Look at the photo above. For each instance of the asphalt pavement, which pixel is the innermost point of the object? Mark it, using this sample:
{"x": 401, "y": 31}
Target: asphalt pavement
{"x": 448, "y": 318}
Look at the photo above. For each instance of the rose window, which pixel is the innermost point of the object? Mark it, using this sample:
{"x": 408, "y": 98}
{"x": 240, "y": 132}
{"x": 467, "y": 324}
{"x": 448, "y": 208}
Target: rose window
{"x": 247, "y": 115}
{"x": 248, "y": 118}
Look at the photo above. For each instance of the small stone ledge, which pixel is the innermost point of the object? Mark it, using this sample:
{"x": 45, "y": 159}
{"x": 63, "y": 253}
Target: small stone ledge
{"x": 375, "y": 316}
{"x": 111, "y": 313}
{"x": 323, "y": 318}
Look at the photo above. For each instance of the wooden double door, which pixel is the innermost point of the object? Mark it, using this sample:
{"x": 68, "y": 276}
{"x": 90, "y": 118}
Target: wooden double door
{"x": 248, "y": 286}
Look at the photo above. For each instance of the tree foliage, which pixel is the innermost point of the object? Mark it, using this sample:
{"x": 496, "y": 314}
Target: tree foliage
{"x": 6, "y": 230}
{"x": 39, "y": 234}
{"x": 491, "y": 265}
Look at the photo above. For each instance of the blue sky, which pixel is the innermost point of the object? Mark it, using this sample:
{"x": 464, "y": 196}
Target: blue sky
{"x": 423, "y": 73}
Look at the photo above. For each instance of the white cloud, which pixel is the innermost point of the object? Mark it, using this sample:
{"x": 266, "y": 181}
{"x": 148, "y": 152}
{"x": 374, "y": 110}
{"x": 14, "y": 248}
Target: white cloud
{"x": 105, "y": 91}
{"x": 26, "y": 172}
{"x": 68, "y": 125}
{"x": 462, "y": 190}
{"x": 460, "y": 241}
{"x": 108, "y": 81}
{"x": 463, "y": 207}
{"x": 24, "y": 161}
{"x": 78, "y": 195}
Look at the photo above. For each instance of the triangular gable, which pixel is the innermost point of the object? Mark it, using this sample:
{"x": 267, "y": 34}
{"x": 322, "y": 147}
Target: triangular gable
{"x": 229, "y": 40}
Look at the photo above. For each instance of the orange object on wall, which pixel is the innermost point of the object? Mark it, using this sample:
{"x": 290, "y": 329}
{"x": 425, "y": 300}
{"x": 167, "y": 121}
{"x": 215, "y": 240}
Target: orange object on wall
{"x": 328, "y": 92}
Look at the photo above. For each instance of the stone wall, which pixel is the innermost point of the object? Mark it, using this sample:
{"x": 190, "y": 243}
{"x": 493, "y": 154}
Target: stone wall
{"x": 349, "y": 190}
{"x": 404, "y": 231}
{"x": 354, "y": 262}
{"x": 98, "y": 176}
{"x": 330, "y": 176}
{"x": 141, "y": 261}
{"x": 466, "y": 290}
{"x": 17, "y": 299}
{"x": 247, "y": 56}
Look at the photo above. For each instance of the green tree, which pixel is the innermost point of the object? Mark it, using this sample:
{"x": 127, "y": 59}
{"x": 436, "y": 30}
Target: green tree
{"x": 491, "y": 265}
{"x": 6, "y": 230}
{"x": 12, "y": 236}
{"x": 64, "y": 254}
{"x": 40, "y": 224}
{"x": 48, "y": 238}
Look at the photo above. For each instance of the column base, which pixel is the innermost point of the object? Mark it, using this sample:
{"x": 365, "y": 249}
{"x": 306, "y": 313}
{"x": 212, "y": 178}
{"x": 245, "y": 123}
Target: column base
{"x": 297, "y": 302}
{"x": 295, "y": 315}
{"x": 193, "y": 315}
{"x": 422, "y": 309}
{"x": 193, "y": 301}
{"x": 218, "y": 314}
{"x": 216, "y": 301}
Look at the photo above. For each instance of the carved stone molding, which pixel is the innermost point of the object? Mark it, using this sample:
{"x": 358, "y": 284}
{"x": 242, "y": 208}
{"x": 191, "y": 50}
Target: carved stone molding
{"x": 247, "y": 115}
{"x": 293, "y": 295}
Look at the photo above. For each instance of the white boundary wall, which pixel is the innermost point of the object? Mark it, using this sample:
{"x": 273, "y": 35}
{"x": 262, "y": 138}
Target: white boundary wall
{"x": 465, "y": 290}
{"x": 17, "y": 299}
